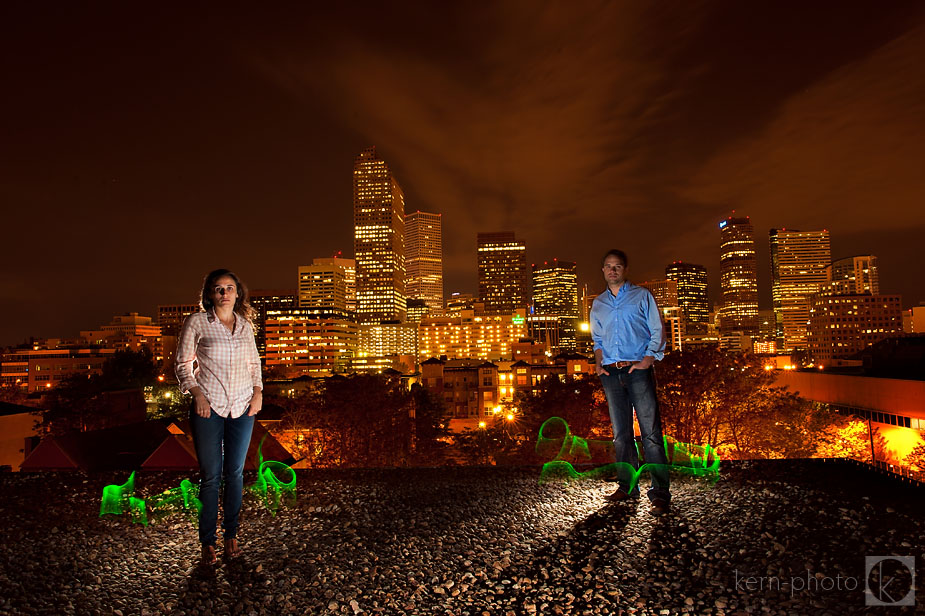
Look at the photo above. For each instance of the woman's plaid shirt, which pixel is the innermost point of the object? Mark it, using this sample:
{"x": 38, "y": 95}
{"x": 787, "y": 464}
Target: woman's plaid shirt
{"x": 225, "y": 366}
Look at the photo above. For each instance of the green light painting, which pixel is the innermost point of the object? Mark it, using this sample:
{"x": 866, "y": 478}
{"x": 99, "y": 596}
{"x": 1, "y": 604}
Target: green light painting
{"x": 276, "y": 482}
{"x": 556, "y": 441}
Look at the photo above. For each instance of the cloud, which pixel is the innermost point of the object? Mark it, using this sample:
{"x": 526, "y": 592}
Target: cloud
{"x": 845, "y": 152}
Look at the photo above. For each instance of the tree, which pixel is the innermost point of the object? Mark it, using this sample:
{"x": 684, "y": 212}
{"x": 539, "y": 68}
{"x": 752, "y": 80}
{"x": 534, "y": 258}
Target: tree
{"x": 76, "y": 403}
{"x": 579, "y": 400}
{"x": 916, "y": 458}
{"x": 168, "y": 401}
{"x": 431, "y": 426}
{"x": 364, "y": 420}
{"x": 706, "y": 395}
{"x": 849, "y": 437}
{"x": 17, "y": 395}
{"x": 728, "y": 401}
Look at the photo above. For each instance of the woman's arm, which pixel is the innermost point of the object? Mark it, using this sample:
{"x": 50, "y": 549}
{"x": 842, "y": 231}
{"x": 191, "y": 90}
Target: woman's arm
{"x": 253, "y": 364}
{"x": 186, "y": 355}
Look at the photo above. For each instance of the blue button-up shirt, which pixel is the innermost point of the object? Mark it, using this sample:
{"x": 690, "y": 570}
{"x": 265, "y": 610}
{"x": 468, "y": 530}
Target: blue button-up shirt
{"x": 627, "y": 327}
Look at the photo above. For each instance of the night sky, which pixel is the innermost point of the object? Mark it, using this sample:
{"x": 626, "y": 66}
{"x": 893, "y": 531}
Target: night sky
{"x": 143, "y": 146}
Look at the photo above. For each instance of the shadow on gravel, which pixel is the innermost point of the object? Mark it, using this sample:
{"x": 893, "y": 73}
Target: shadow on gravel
{"x": 233, "y": 586}
{"x": 582, "y": 547}
{"x": 675, "y": 548}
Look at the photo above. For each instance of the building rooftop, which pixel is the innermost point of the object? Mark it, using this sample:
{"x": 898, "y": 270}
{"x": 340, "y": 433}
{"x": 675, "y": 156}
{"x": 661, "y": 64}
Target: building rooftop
{"x": 470, "y": 541}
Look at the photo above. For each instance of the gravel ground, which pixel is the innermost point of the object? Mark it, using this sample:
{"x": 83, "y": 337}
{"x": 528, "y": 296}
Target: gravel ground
{"x": 470, "y": 541}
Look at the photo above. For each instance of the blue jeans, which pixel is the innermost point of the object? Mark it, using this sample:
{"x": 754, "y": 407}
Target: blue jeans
{"x": 212, "y": 435}
{"x": 626, "y": 390}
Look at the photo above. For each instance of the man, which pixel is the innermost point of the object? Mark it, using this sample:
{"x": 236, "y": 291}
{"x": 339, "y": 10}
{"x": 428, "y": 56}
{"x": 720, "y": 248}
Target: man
{"x": 628, "y": 339}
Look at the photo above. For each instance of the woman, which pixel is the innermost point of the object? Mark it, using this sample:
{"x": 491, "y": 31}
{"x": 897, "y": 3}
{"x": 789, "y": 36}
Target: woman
{"x": 217, "y": 362}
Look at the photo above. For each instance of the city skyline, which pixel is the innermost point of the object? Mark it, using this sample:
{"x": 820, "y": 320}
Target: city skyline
{"x": 586, "y": 128}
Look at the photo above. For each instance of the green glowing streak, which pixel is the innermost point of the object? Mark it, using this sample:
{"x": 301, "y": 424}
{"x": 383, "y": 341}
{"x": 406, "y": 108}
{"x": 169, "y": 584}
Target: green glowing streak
{"x": 696, "y": 460}
{"x": 116, "y": 498}
{"x": 269, "y": 486}
{"x": 120, "y": 499}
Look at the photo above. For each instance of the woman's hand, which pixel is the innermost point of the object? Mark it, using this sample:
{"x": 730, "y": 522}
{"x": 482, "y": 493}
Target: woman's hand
{"x": 256, "y": 402}
{"x": 203, "y": 408}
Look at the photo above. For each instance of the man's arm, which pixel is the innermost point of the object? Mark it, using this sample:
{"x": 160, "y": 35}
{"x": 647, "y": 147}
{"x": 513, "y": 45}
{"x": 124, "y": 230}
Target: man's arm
{"x": 655, "y": 348}
{"x": 598, "y": 361}
{"x": 597, "y": 336}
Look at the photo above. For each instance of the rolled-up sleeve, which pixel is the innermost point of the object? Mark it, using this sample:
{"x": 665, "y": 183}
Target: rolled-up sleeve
{"x": 186, "y": 354}
{"x": 597, "y": 329}
{"x": 253, "y": 363}
{"x": 656, "y": 344}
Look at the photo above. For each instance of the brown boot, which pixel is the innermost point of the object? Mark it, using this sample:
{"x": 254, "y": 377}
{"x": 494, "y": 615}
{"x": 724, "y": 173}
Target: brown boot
{"x": 208, "y": 555}
{"x": 232, "y": 550}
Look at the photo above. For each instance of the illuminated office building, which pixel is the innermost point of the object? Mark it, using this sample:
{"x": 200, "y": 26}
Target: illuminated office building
{"x": 555, "y": 288}
{"x": 471, "y": 335}
{"x": 555, "y": 316}
{"x": 379, "y": 244}
{"x": 310, "y": 341}
{"x": 503, "y": 275}
{"x": 264, "y": 300}
{"x": 460, "y": 301}
{"x": 383, "y": 346}
{"x": 767, "y": 326}
{"x": 349, "y": 267}
{"x": 386, "y": 339}
{"x": 424, "y": 258}
{"x": 798, "y": 270}
{"x": 673, "y": 324}
{"x": 842, "y": 325}
{"x": 854, "y": 276}
{"x": 171, "y": 316}
{"x": 39, "y": 369}
{"x": 738, "y": 277}
{"x": 665, "y": 292}
{"x": 323, "y": 285}
{"x": 418, "y": 309}
{"x": 692, "y": 295}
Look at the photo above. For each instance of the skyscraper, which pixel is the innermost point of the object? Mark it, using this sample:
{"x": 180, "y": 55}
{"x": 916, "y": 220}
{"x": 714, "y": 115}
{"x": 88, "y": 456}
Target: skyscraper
{"x": 379, "y": 244}
{"x": 264, "y": 300}
{"x": 798, "y": 270}
{"x": 738, "y": 277}
{"x": 555, "y": 288}
{"x": 350, "y": 276}
{"x": 665, "y": 292}
{"x": 854, "y": 276}
{"x": 692, "y": 295}
{"x": 424, "y": 258}
{"x": 323, "y": 286}
{"x": 555, "y": 303}
{"x": 503, "y": 276}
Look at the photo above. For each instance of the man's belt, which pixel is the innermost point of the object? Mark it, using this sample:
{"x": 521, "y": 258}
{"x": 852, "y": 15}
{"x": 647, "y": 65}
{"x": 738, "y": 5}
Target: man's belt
{"x": 620, "y": 364}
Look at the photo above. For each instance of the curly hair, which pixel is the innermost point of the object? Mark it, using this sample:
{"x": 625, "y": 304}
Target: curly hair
{"x": 241, "y": 305}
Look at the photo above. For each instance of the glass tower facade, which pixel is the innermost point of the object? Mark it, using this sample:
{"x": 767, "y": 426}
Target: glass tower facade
{"x": 424, "y": 258}
{"x": 738, "y": 277}
{"x": 503, "y": 274}
{"x": 798, "y": 270}
{"x": 379, "y": 240}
